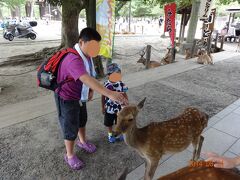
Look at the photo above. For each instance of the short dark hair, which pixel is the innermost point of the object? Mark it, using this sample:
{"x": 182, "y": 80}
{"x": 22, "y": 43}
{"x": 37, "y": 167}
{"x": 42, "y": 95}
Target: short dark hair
{"x": 88, "y": 34}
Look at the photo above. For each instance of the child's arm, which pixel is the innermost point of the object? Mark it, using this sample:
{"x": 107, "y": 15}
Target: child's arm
{"x": 125, "y": 89}
{"x": 90, "y": 94}
{"x": 95, "y": 85}
{"x": 103, "y": 104}
{"x": 125, "y": 95}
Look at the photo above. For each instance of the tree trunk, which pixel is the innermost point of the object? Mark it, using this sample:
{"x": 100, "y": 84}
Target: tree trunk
{"x": 90, "y": 7}
{"x": 32, "y": 9}
{"x": 91, "y": 13}
{"x": 28, "y": 8}
{"x": 1, "y": 15}
{"x": 19, "y": 12}
{"x": 70, "y": 14}
{"x": 14, "y": 12}
{"x": 42, "y": 9}
{"x": 193, "y": 21}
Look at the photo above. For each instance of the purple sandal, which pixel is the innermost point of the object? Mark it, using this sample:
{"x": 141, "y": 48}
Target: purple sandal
{"x": 88, "y": 147}
{"x": 74, "y": 163}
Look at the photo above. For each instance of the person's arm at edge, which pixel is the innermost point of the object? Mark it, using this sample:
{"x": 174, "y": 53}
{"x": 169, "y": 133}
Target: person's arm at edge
{"x": 237, "y": 161}
{"x": 222, "y": 161}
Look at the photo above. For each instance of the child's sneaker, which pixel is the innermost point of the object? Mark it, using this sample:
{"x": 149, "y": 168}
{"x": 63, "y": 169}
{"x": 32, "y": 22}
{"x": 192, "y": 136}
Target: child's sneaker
{"x": 120, "y": 138}
{"x": 111, "y": 139}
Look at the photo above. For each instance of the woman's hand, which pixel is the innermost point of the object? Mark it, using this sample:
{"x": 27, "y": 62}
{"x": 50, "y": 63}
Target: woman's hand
{"x": 221, "y": 161}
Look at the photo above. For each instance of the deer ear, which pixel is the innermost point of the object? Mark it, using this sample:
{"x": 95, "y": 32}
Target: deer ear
{"x": 141, "y": 104}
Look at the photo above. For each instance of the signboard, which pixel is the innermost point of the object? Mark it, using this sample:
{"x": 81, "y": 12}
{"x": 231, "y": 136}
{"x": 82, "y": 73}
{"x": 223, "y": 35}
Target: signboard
{"x": 205, "y": 9}
{"x": 208, "y": 25}
{"x": 169, "y": 26}
{"x": 105, "y": 19}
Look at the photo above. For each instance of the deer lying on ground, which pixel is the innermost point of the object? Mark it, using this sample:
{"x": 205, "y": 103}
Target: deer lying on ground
{"x": 206, "y": 171}
{"x": 188, "y": 54}
{"x": 152, "y": 64}
{"x": 156, "y": 139}
{"x": 204, "y": 58}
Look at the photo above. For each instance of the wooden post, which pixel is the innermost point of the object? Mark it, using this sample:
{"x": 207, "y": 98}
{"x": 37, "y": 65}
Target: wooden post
{"x": 216, "y": 40}
{"x": 222, "y": 41}
{"x": 173, "y": 51}
{"x": 148, "y": 55}
{"x": 209, "y": 43}
{"x": 233, "y": 18}
{"x": 230, "y": 15}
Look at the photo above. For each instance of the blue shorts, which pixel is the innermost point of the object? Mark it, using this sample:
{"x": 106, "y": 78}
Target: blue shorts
{"x": 71, "y": 116}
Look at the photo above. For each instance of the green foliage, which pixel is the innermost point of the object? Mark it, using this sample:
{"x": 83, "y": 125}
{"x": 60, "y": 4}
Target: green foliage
{"x": 71, "y": 3}
{"x": 120, "y": 5}
{"x": 12, "y": 3}
{"x": 225, "y": 2}
{"x": 140, "y": 9}
{"x": 180, "y": 3}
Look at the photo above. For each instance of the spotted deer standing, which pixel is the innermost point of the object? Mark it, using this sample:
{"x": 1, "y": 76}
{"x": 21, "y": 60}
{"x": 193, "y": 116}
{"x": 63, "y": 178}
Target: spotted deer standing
{"x": 156, "y": 139}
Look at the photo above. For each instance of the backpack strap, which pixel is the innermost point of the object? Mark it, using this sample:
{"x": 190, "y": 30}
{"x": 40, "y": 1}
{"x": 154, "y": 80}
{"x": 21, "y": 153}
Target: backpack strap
{"x": 61, "y": 55}
{"x": 54, "y": 61}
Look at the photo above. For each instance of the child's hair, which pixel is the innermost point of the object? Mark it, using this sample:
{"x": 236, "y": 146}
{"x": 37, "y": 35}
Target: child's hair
{"x": 88, "y": 34}
{"x": 113, "y": 67}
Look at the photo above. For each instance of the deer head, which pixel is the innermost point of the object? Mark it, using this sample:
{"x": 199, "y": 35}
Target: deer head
{"x": 141, "y": 60}
{"x": 126, "y": 118}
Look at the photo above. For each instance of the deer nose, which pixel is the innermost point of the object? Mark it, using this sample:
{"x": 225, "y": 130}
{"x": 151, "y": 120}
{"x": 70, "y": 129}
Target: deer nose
{"x": 115, "y": 133}
{"x": 123, "y": 128}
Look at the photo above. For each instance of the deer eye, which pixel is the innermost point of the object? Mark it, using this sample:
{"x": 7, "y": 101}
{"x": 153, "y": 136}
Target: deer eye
{"x": 130, "y": 120}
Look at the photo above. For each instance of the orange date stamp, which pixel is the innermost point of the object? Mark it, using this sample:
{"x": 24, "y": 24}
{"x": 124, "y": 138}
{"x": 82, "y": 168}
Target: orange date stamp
{"x": 196, "y": 164}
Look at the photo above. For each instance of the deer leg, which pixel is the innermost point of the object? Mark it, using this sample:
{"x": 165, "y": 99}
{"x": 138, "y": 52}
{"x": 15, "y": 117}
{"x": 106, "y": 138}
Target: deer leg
{"x": 199, "y": 147}
{"x": 151, "y": 166}
{"x": 194, "y": 151}
{"x": 195, "y": 143}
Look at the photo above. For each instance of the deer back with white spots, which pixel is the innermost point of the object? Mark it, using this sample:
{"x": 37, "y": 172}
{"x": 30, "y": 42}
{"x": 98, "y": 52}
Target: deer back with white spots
{"x": 156, "y": 139}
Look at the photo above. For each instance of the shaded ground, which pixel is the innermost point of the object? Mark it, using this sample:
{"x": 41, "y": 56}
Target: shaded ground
{"x": 34, "y": 149}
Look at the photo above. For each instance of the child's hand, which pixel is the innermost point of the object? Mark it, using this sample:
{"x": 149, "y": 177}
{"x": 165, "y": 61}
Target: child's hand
{"x": 118, "y": 96}
{"x": 90, "y": 95}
